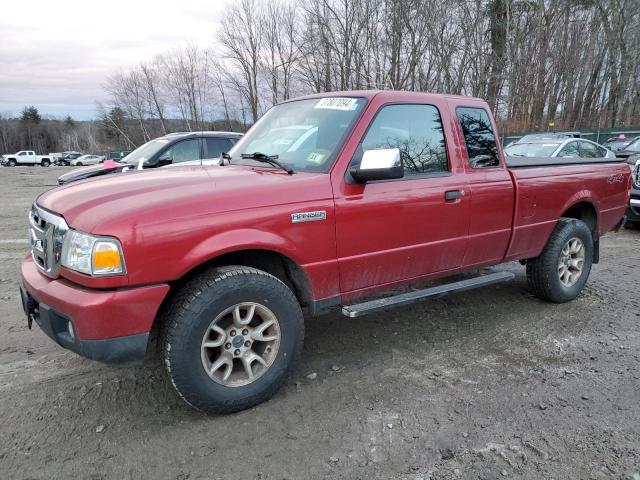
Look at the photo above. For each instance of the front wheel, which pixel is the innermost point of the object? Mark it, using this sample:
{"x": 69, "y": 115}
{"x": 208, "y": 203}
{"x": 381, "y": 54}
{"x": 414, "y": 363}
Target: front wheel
{"x": 11, "y": 163}
{"x": 560, "y": 272}
{"x": 231, "y": 336}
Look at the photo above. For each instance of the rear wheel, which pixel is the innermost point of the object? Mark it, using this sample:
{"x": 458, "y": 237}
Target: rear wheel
{"x": 231, "y": 336}
{"x": 45, "y": 163}
{"x": 563, "y": 267}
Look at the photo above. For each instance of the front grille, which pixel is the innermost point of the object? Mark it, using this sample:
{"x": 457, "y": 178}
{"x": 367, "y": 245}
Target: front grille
{"x": 46, "y": 235}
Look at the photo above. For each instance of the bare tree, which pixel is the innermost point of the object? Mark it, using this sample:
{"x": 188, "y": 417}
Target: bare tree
{"x": 241, "y": 38}
{"x": 572, "y": 63}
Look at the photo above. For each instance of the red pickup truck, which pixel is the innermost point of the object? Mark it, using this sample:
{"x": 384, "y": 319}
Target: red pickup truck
{"x": 329, "y": 200}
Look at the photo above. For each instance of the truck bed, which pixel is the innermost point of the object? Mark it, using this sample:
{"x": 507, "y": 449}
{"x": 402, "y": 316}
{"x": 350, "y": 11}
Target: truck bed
{"x": 543, "y": 194}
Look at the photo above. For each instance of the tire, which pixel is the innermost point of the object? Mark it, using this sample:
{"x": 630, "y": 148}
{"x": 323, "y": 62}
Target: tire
{"x": 187, "y": 325}
{"x": 45, "y": 163}
{"x": 546, "y": 274}
{"x": 78, "y": 164}
{"x": 11, "y": 163}
{"x": 632, "y": 225}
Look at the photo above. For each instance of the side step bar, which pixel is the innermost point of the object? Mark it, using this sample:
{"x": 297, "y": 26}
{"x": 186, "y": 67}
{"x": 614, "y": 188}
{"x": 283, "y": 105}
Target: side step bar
{"x": 372, "y": 306}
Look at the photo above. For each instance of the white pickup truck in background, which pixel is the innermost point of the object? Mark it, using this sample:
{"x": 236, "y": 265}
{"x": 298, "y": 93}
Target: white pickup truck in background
{"x": 26, "y": 157}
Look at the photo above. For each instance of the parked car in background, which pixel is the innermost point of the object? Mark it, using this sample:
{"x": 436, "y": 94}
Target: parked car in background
{"x": 66, "y": 158}
{"x": 633, "y": 148}
{"x": 87, "y": 160}
{"x": 633, "y": 212}
{"x": 171, "y": 149}
{"x": 58, "y": 156}
{"x": 617, "y": 143}
{"x": 26, "y": 157}
{"x": 556, "y": 145}
{"x": 116, "y": 155}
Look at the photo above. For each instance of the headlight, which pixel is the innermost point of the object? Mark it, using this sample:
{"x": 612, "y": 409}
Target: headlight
{"x": 92, "y": 255}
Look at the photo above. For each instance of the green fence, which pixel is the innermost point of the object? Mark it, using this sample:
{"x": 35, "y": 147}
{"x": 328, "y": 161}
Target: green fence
{"x": 599, "y": 136}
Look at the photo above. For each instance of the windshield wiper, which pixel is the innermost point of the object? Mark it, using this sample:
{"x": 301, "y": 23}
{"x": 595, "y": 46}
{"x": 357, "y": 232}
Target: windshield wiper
{"x": 264, "y": 158}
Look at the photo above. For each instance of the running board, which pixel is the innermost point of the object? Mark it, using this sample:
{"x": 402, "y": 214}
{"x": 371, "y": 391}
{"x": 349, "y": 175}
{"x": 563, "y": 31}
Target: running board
{"x": 386, "y": 303}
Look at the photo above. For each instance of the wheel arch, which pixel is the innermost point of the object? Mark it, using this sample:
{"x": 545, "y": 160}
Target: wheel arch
{"x": 586, "y": 211}
{"x": 269, "y": 260}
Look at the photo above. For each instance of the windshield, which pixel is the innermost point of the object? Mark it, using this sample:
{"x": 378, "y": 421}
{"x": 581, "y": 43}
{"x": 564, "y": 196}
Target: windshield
{"x": 305, "y": 134}
{"x": 531, "y": 149}
{"x": 634, "y": 146}
{"x": 145, "y": 152}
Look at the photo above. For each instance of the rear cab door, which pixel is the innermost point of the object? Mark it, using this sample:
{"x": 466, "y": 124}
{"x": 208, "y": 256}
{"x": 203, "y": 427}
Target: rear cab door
{"x": 491, "y": 189}
{"x": 397, "y": 230}
{"x": 26, "y": 157}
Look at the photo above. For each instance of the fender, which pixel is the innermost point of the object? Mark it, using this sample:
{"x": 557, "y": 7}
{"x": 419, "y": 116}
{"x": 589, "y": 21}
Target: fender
{"x": 235, "y": 241}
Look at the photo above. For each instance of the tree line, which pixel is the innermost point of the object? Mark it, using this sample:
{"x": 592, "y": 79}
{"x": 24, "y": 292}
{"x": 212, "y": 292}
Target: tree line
{"x": 570, "y": 63}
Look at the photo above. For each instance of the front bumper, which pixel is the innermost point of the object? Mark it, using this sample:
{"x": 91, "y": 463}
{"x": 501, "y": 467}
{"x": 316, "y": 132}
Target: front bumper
{"x": 111, "y": 326}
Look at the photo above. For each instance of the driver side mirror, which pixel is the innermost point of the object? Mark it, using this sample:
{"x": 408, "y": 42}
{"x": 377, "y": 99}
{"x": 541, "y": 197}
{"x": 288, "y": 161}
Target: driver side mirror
{"x": 382, "y": 164}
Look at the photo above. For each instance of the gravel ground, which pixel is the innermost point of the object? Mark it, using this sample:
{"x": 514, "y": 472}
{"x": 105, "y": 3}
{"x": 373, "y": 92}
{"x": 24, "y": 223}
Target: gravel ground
{"x": 486, "y": 384}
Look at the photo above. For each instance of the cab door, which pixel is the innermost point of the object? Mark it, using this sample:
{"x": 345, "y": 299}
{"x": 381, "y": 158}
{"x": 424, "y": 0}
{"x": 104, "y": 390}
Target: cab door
{"x": 396, "y": 230}
{"x": 491, "y": 190}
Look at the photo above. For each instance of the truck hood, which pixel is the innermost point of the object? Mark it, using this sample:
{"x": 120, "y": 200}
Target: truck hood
{"x": 102, "y": 205}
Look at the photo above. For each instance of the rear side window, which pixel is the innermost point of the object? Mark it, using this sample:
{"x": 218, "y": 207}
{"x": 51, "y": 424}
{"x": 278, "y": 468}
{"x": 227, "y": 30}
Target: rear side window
{"x": 416, "y": 130}
{"x": 478, "y": 137}
{"x": 569, "y": 150}
{"x": 589, "y": 150}
{"x": 216, "y": 145}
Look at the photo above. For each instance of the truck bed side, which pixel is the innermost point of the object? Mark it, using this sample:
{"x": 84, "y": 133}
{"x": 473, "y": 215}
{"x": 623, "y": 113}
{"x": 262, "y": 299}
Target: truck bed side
{"x": 545, "y": 193}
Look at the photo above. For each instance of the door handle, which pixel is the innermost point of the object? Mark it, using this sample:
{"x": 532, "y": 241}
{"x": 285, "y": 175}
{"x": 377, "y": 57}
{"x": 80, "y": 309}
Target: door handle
{"x": 451, "y": 195}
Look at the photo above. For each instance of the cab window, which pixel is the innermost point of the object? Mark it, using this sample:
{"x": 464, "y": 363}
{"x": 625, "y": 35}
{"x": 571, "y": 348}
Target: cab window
{"x": 416, "y": 130}
{"x": 479, "y": 137}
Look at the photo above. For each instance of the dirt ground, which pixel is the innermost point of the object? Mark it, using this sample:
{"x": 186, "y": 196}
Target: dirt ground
{"x": 486, "y": 384}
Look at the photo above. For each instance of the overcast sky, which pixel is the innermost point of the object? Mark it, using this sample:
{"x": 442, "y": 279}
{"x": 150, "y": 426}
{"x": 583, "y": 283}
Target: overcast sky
{"x": 56, "y": 54}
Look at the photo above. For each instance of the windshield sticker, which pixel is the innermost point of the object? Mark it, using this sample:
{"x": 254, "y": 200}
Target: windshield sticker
{"x": 317, "y": 158}
{"x": 337, "y": 103}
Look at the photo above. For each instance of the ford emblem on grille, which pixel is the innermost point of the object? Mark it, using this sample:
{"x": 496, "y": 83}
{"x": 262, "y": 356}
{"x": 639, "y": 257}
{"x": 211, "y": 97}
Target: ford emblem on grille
{"x": 46, "y": 235}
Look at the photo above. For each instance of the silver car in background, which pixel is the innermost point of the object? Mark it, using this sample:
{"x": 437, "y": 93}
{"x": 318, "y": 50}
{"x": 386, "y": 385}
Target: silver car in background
{"x": 87, "y": 160}
{"x": 556, "y": 145}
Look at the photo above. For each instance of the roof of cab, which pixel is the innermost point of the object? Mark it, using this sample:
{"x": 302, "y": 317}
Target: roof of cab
{"x": 204, "y": 133}
{"x": 370, "y": 94}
